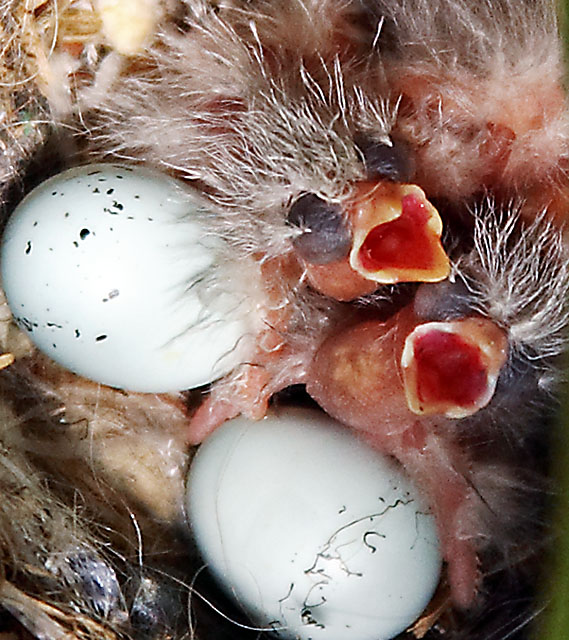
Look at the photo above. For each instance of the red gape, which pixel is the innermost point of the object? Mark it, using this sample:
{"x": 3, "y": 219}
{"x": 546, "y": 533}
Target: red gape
{"x": 402, "y": 244}
{"x": 451, "y": 368}
{"x": 448, "y": 370}
{"x": 395, "y": 238}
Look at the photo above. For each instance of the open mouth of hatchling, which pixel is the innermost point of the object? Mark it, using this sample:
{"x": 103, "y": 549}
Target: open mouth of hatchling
{"x": 396, "y": 235}
{"x": 452, "y": 368}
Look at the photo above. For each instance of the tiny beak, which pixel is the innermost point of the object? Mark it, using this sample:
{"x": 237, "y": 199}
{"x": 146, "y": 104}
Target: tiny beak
{"x": 396, "y": 235}
{"x": 451, "y": 368}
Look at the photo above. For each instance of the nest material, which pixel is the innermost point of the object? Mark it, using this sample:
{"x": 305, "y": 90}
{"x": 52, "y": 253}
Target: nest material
{"x": 25, "y": 115}
{"x": 56, "y": 56}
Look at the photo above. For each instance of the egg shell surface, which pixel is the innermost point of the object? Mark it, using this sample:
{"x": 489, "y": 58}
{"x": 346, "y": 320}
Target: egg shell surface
{"x": 104, "y": 266}
{"x": 313, "y": 533}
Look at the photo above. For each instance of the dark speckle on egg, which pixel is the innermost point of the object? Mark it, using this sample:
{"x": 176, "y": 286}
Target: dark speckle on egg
{"x": 75, "y": 243}
{"x": 96, "y": 190}
{"x": 84, "y": 233}
{"x": 110, "y": 191}
{"x": 28, "y": 248}
{"x": 77, "y": 333}
{"x": 25, "y": 323}
{"x": 101, "y": 337}
{"x": 112, "y": 294}
{"x": 118, "y": 205}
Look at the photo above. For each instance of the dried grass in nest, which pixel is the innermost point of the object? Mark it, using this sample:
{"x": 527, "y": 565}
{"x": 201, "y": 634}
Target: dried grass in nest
{"x": 24, "y": 120}
{"x": 51, "y": 56}
{"x": 81, "y": 555}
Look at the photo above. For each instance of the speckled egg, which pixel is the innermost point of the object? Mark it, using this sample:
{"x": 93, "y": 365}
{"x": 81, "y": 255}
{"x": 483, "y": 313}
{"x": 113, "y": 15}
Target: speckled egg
{"x": 313, "y": 533}
{"x": 110, "y": 271}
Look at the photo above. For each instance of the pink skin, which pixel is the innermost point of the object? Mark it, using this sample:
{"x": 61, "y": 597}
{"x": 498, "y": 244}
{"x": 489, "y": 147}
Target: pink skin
{"x": 248, "y": 392}
{"x": 355, "y": 376}
{"x": 376, "y": 407}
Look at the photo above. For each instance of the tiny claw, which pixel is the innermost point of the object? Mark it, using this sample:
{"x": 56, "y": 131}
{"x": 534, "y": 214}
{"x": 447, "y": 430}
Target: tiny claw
{"x": 396, "y": 235}
{"x": 451, "y": 368}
